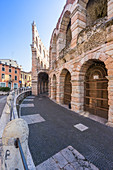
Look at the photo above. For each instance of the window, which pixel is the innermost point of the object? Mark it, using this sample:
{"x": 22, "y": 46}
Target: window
{"x": 29, "y": 78}
{"x": 21, "y": 76}
{"x": 15, "y": 71}
{"x": 40, "y": 48}
{"x": 15, "y": 85}
{"x": 2, "y": 84}
{"x": 15, "y": 77}
{"x": 3, "y": 76}
{"x": 10, "y": 70}
{"x": 9, "y": 77}
{"x": 36, "y": 42}
{"x": 43, "y": 53}
{"x": 5, "y": 63}
{"x": 25, "y": 77}
{"x": 3, "y": 68}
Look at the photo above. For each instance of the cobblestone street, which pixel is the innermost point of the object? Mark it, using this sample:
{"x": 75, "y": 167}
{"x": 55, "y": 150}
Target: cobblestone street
{"x": 54, "y": 128}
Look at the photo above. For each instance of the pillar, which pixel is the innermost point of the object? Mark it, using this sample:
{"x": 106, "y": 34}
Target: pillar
{"x": 110, "y": 9}
{"x": 78, "y": 20}
{"x": 110, "y": 99}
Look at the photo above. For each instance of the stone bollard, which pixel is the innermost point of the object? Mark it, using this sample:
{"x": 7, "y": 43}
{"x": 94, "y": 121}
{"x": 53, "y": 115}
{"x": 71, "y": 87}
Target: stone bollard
{"x": 16, "y": 128}
{"x": 10, "y": 99}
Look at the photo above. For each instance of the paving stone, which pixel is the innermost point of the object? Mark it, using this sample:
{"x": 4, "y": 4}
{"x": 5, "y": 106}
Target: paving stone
{"x": 76, "y": 153}
{"x": 30, "y": 97}
{"x": 69, "y": 167}
{"x": 60, "y": 160}
{"x": 68, "y": 155}
{"x": 81, "y": 127}
{"x": 31, "y": 119}
{"x": 27, "y": 105}
{"x": 76, "y": 165}
{"x": 48, "y": 165}
{"x": 28, "y": 100}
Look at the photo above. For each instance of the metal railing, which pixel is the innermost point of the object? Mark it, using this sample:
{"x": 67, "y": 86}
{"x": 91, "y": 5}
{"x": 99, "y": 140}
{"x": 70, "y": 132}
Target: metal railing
{"x": 18, "y": 145}
{"x": 18, "y": 91}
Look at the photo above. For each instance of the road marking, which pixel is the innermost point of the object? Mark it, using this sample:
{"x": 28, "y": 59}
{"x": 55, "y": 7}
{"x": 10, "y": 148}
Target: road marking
{"x": 27, "y": 105}
{"x": 81, "y": 127}
{"x": 68, "y": 159}
{"x": 28, "y": 100}
{"x": 30, "y": 97}
{"x": 31, "y": 119}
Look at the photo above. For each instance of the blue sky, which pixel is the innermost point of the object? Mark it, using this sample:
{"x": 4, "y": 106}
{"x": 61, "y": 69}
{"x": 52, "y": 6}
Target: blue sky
{"x": 16, "y": 17}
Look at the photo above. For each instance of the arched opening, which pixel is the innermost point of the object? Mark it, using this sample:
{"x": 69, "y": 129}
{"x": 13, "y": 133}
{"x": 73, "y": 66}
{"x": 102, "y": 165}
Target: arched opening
{"x": 96, "y": 89}
{"x": 68, "y": 34}
{"x": 41, "y": 65}
{"x": 42, "y": 83}
{"x": 36, "y": 42}
{"x": 54, "y": 48}
{"x": 40, "y": 49}
{"x": 54, "y": 87}
{"x": 43, "y": 53}
{"x": 65, "y": 31}
{"x": 95, "y": 9}
{"x": 38, "y": 63}
{"x": 65, "y": 87}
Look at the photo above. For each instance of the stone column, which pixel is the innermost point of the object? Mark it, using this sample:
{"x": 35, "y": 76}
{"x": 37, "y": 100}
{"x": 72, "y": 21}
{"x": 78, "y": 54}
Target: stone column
{"x": 16, "y": 128}
{"x": 49, "y": 87}
{"x": 110, "y": 9}
{"x": 78, "y": 20}
{"x": 52, "y": 93}
{"x": 110, "y": 99}
{"x": 34, "y": 73}
{"x": 77, "y": 96}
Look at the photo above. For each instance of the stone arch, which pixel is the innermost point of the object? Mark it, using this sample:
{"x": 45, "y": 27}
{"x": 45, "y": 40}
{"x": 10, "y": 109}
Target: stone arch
{"x": 43, "y": 79}
{"x": 65, "y": 31}
{"x": 65, "y": 87}
{"x": 95, "y": 10}
{"x": 84, "y": 65}
{"x": 97, "y": 55}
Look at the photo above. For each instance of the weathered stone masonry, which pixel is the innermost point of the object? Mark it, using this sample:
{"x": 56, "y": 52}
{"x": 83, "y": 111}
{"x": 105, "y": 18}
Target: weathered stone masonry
{"x": 82, "y": 41}
{"x": 40, "y": 63}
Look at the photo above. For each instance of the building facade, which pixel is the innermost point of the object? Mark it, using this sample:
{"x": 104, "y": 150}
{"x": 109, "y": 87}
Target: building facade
{"x": 25, "y": 79}
{"x": 81, "y": 57}
{"x": 40, "y": 63}
{"x": 9, "y": 73}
